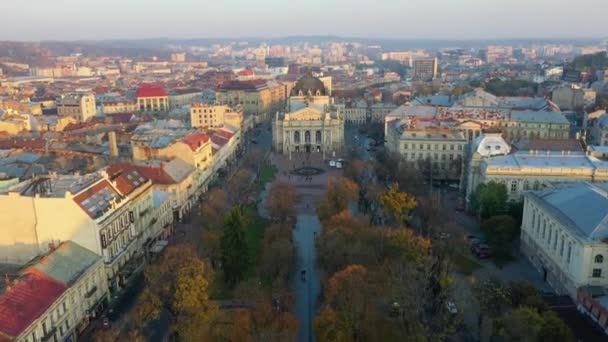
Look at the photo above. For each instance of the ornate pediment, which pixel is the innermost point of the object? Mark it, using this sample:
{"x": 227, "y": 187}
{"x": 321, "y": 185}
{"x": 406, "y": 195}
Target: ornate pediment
{"x": 305, "y": 114}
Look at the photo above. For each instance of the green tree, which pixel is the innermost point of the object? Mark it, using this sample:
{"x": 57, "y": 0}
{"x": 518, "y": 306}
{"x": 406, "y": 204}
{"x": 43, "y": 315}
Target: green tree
{"x": 235, "y": 249}
{"x": 519, "y": 325}
{"x": 554, "y": 329}
{"x": 500, "y": 231}
{"x": 489, "y": 199}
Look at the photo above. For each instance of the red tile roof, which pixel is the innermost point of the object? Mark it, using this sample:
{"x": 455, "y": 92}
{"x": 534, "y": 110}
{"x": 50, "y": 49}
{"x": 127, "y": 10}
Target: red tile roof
{"x": 28, "y": 298}
{"x": 31, "y": 144}
{"x": 151, "y": 90}
{"x": 246, "y": 72}
{"x": 195, "y": 140}
{"x": 156, "y": 174}
{"x": 126, "y": 177}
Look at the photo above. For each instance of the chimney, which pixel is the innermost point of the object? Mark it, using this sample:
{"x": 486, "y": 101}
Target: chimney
{"x": 7, "y": 282}
{"x": 113, "y": 145}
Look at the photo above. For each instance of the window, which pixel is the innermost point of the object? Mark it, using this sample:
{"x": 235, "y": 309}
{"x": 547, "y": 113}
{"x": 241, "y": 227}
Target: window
{"x": 597, "y": 273}
{"x": 555, "y": 241}
{"x": 599, "y": 259}
{"x": 550, "y": 233}
{"x": 514, "y": 186}
{"x": 569, "y": 252}
{"x": 405, "y": 146}
{"x": 526, "y": 185}
{"x": 451, "y": 147}
{"x": 561, "y": 248}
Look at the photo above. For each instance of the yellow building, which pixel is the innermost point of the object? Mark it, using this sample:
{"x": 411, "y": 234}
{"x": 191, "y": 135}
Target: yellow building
{"x": 256, "y": 97}
{"x": 214, "y": 116}
{"x": 119, "y": 106}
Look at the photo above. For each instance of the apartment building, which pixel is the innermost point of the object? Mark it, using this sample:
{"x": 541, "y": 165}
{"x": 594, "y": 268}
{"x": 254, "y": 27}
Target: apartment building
{"x": 54, "y": 297}
{"x": 78, "y": 106}
{"x": 215, "y": 116}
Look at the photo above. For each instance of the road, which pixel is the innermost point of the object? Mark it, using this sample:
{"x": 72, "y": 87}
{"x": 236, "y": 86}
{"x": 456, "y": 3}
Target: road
{"x": 307, "y": 288}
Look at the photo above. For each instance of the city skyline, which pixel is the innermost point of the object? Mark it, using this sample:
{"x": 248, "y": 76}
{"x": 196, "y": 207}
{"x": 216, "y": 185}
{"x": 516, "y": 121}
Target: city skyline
{"x": 388, "y": 19}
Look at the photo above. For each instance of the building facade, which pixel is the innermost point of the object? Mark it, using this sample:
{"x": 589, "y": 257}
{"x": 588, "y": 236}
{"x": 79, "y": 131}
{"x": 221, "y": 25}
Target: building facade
{"x": 564, "y": 234}
{"x": 424, "y": 69}
{"x": 313, "y": 122}
{"x": 78, "y": 106}
{"x": 441, "y": 151}
{"x": 152, "y": 98}
{"x": 215, "y": 116}
{"x": 259, "y": 98}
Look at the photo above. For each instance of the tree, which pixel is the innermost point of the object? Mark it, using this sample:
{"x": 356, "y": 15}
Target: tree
{"x": 494, "y": 299}
{"x": 278, "y": 256}
{"x": 398, "y": 204}
{"x": 348, "y": 293}
{"x": 235, "y": 249}
{"x": 281, "y": 202}
{"x": 106, "y": 335}
{"x": 525, "y": 294}
{"x": 177, "y": 284}
{"x": 521, "y": 324}
{"x": 213, "y": 208}
{"x": 500, "y": 231}
{"x": 238, "y": 186}
{"x": 340, "y": 193}
{"x": 489, "y": 199}
{"x": 554, "y": 329}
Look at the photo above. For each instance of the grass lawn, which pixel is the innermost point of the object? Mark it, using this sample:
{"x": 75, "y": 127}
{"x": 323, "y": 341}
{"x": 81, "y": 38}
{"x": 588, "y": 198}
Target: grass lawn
{"x": 464, "y": 264}
{"x": 267, "y": 174}
{"x": 255, "y": 235}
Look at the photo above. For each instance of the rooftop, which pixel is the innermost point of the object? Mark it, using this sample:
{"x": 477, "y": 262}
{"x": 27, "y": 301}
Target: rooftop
{"x": 151, "y": 90}
{"x": 26, "y": 300}
{"x": 582, "y": 206}
{"x": 66, "y": 263}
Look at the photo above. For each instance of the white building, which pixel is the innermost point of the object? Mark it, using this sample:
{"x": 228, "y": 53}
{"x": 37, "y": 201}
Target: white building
{"x": 534, "y": 167}
{"x": 564, "y": 234}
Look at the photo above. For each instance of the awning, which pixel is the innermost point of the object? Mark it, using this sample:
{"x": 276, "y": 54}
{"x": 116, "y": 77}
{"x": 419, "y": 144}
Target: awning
{"x": 159, "y": 246}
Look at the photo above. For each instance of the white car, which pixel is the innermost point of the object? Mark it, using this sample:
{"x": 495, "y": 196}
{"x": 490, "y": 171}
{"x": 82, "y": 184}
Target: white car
{"x": 332, "y": 163}
{"x": 338, "y": 165}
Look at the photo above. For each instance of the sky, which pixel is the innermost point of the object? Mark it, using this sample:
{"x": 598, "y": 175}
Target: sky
{"x": 406, "y": 19}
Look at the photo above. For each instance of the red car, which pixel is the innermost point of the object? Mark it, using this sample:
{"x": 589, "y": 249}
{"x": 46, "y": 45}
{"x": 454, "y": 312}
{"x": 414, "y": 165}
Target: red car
{"x": 482, "y": 251}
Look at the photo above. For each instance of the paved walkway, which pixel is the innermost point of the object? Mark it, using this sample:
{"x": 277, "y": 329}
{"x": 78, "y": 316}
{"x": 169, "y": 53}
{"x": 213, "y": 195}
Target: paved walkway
{"x": 309, "y": 192}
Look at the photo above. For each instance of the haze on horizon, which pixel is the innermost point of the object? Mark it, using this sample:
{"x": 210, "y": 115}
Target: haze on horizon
{"x": 411, "y": 19}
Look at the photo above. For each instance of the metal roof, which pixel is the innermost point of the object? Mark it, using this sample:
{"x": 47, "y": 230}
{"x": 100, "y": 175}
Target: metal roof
{"x": 66, "y": 263}
{"x": 581, "y": 206}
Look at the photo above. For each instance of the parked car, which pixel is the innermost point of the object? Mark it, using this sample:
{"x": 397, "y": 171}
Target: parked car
{"x": 338, "y": 165}
{"x": 472, "y": 240}
{"x": 482, "y": 251}
{"x": 332, "y": 163}
{"x": 451, "y": 307}
{"x": 106, "y": 322}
